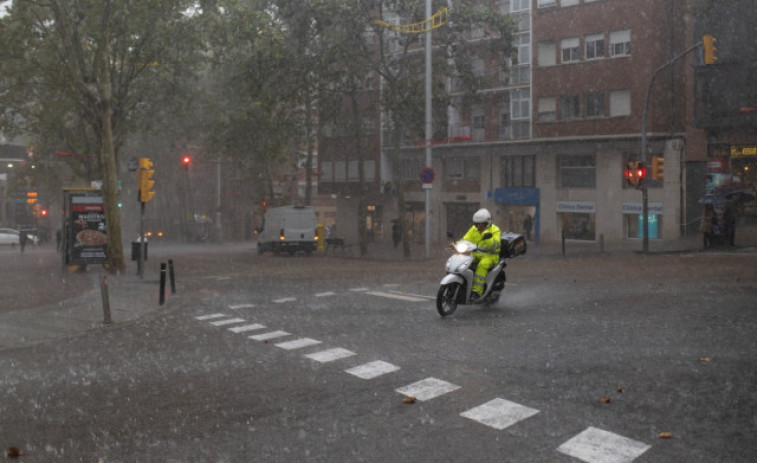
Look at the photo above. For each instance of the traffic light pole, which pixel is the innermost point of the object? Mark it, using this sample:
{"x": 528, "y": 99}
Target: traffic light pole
{"x": 142, "y": 242}
{"x": 644, "y": 192}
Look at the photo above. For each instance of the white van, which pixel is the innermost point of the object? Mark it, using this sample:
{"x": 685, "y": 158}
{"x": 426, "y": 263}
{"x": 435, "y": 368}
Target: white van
{"x": 288, "y": 229}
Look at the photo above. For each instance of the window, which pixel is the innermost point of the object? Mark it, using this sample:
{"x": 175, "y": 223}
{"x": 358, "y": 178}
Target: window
{"x": 620, "y": 43}
{"x": 547, "y": 109}
{"x": 456, "y": 168}
{"x": 519, "y": 171}
{"x": 546, "y": 3}
{"x": 523, "y": 42}
{"x": 478, "y": 123}
{"x": 369, "y": 171}
{"x": 570, "y": 51}
{"x": 411, "y": 167}
{"x": 328, "y": 171}
{"x": 595, "y": 46}
{"x": 568, "y": 2}
{"x": 520, "y": 101}
{"x": 576, "y": 171}
{"x": 595, "y": 104}
{"x": 547, "y": 55}
{"x": 620, "y": 103}
{"x": 569, "y": 107}
{"x": 504, "y": 122}
{"x": 520, "y": 5}
{"x": 477, "y": 117}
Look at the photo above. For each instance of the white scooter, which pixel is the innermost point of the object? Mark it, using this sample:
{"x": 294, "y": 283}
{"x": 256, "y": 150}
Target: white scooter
{"x": 455, "y": 287}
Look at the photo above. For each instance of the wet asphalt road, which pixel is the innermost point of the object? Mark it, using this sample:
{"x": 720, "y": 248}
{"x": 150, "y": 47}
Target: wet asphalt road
{"x": 668, "y": 340}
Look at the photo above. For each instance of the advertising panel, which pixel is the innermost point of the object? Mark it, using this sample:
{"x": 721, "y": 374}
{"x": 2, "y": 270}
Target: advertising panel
{"x": 84, "y": 232}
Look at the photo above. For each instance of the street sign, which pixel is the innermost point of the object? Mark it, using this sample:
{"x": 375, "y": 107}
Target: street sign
{"x": 427, "y": 175}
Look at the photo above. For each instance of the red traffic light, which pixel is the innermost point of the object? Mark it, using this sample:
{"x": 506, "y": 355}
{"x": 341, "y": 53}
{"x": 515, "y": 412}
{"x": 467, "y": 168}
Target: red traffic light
{"x": 186, "y": 160}
{"x": 43, "y": 212}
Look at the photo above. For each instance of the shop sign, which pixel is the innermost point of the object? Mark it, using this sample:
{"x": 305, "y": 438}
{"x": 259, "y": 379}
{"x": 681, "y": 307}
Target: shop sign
{"x": 636, "y": 208}
{"x": 576, "y": 206}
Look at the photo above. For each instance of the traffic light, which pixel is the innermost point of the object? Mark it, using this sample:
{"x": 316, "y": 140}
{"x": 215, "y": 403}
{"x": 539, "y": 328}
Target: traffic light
{"x": 144, "y": 179}
{"x": 658, "y": 168}
{"x": 635, "y": 173}
{"x": 710, "y": 52}
{"x": 186, "y": 160}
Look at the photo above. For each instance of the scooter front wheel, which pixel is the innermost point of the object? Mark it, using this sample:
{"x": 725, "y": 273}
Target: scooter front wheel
{"x": 446, "y": 298}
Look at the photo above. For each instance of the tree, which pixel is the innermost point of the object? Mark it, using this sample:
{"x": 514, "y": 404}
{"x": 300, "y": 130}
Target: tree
{"x": 474, "y": 29}
{"x": 81, "y": 74}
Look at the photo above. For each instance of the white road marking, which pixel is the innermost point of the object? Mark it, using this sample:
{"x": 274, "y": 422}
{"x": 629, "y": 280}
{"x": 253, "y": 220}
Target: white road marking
{"x": 330, "y": 355}
{"x": 211, "y": 316}
{"x": 241, "y": 306}
{"x": 271, "y": 335}
{"x": 597, "y": 446}
{"x": 359, "y": 290}
{"x": 285, "y": 299}
{"x": 499, "y": 413}
{"x": 427, "y": 389}
{"x": 373, "y": 369}
{"x": 395, "y": 296}
{"x": 298, "y": 343}
{"x": 229, "y": 321}
{"x": 245, "y": 328}
{"x": 423, "y": 296}
{"x": 327, "y": 293}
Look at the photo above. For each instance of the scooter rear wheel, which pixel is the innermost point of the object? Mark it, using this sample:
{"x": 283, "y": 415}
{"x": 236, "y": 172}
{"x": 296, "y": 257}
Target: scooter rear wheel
{"x": 446, "y": 299}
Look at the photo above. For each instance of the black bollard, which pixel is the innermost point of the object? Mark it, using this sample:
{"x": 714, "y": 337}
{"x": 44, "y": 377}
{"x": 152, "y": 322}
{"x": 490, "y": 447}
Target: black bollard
{"x": 171, "y": 276}
{"x": 162, "y": 296}
{"x": 563, "y": 243}
{"x": 106, "y": 299}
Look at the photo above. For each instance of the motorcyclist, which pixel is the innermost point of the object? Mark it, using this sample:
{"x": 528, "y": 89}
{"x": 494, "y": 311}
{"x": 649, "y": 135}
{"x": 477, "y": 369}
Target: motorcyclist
{"x": 488, "y": 249}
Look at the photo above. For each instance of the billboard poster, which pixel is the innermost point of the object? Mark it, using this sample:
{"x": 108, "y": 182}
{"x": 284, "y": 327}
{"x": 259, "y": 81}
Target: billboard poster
{"x": 85, "y": 231}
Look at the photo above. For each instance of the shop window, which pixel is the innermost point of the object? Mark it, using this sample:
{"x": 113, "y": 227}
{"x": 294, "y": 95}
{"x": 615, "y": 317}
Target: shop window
{"x": 578, "y": 225}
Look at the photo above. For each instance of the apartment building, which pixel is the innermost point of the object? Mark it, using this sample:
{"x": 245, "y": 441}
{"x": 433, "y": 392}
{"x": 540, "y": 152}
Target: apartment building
{"x": 548, "y": 141}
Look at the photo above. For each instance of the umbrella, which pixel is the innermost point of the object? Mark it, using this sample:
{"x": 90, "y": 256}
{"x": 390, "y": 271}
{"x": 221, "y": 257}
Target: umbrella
{"x": 710, "y": 199}
{"x": 741, "y": 195}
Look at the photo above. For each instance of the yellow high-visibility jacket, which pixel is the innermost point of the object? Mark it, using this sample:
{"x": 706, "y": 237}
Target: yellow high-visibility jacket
{"x": 486, "y": 247}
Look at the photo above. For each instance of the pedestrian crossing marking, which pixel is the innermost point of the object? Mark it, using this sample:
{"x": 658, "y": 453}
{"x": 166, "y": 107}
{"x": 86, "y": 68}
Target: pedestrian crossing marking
{"x": 330, "y": 355}
{"x": 298, "y": 343}
{"x": 327, "y": 293}
{"x": 499, "y": 413}
{"x": 597, "y": 446}
{"x": 427, "y": 389}
{"x": 210, "y": 317}
{"x": 372, "y": 369}
{"x": 245, "y": 328}
{"x": 271, "y": 335}
{"x": 229, "y": 321}
{"x": 241, "y": 306}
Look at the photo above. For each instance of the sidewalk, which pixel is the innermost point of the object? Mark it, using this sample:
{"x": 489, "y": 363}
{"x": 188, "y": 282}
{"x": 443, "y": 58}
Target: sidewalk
{"x": 79, "y": 305}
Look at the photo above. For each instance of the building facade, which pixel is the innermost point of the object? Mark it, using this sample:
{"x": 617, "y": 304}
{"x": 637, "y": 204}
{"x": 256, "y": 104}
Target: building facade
{"x": 544, "y": 146}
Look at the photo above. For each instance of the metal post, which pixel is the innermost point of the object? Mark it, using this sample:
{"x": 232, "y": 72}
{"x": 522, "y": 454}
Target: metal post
{"x": 644, "y": 192}
{"x": 162, "y": 295}
{"x": 429, "y": 128}
{"x": 142, "y": 247}
{"x": 219, "y": 226}
{"x": 105, "y": 299}
{"x": 171, "y": 276}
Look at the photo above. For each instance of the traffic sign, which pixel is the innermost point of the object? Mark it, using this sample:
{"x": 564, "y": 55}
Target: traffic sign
{"x": 427, "y": 175}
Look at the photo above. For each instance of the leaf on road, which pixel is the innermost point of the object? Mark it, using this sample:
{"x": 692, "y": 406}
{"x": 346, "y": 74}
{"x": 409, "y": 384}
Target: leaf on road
{"x": 605, "y": 400}
{"x": 705, "y": 359}
{"x": 665, "y": 435}
{"x": 621, "y": 390}
{"x": 14, "y": 452}
{"x": 409, "y": 400}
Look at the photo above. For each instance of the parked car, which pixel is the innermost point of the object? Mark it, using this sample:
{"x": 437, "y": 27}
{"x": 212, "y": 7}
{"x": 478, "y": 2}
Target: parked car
{"x": 10, "y": 236}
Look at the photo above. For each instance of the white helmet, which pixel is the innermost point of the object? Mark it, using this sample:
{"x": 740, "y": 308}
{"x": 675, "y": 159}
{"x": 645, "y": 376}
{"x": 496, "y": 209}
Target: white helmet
{"x": 482, "y": 216}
